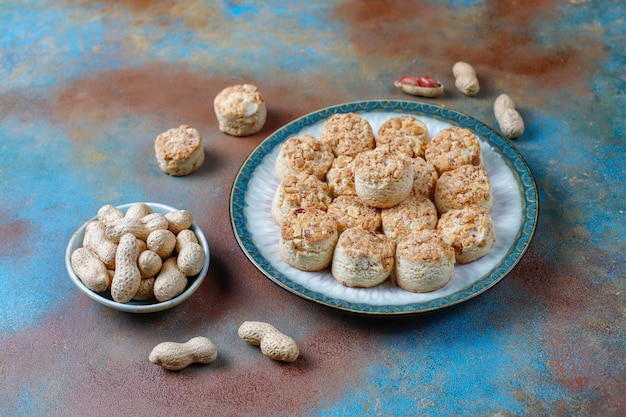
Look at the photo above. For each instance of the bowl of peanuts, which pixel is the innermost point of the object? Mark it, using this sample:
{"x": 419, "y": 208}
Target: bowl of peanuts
{"x": 138, "y": 257}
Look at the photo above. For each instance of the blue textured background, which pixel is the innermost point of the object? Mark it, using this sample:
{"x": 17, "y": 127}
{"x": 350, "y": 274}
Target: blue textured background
{"x": 85, "y": 87}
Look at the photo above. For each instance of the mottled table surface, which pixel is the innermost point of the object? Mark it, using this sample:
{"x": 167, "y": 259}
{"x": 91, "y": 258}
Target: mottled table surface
{"x": 85, "y": 88}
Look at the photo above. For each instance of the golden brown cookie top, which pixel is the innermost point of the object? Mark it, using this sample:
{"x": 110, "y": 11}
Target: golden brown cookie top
{"x": 307, "y": 226}
{"x": 425, "y": 245}
{"x": 406, "y": 134}
{"x": 304, "y": 155}
{"x": 297, "y": 192}
{"x": 239, "y": 101}
{"x": 453, "y": 147}
{"x": 347, "y": 134}
{"x": 178, "y": 143}
{"x": 359, "y": 243}
{"x": 378, "y": 166}
{"x": 465, "y": 227}
{"x": 424, "y": 178}
{"x": 340, "y": 176}
{"x": 467, "y": 184}
{"x": 350, "y": 211}
{"x": 410, "y": 215}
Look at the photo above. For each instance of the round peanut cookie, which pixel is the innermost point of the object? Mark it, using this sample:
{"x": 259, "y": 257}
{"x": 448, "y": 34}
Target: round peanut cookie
{"x": 383, "y": 179}
{"x": 350, "y": 211}
{"x": 240, "y": 110}
{"x": 347, "y": 134}
{"x": 410, "y": 215}
{"x": 462, "y": 186}
{"x": 424, "y": 178}
{"x": 424, "y": 262}
{"x": 179, "y": 151}
{"x": 302, "y": 156}
{"x": 340, "y": 176}
{"x": 307, "y": 239}
{"x": 453, "y": 147}
{"x": 469, "y": 231}
{"x": 362, "y": 258}
{"x": 294, "y": 192}
{"x": 406, "y": 134}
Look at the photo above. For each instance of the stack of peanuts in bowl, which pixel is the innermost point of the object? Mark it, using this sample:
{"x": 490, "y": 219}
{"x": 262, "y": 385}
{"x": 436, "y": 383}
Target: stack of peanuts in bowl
{"x": 138, "y": 255}
{"x": 395, "y": 205}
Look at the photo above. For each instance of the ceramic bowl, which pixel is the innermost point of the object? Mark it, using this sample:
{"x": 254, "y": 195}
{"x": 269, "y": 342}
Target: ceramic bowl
{"x": 134, "y": 306}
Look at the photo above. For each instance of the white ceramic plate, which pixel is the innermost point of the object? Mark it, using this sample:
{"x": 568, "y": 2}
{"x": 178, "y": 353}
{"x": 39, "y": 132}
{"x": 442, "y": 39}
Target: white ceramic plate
{"x": 134, "y": 306}
{"x": 514, "y": 215}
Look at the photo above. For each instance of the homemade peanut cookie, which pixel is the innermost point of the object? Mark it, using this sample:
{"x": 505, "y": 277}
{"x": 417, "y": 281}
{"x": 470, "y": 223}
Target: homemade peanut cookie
{"x": 240, "y": 110}
{"x": 302, "y": 156}
{"x": 463, "y": 186}
{"x": 410, "y": 215}
{"x": 469, "y": 231}
{"x": 179, "y": 151}
{"x": 406, "y": 134}
{"x": 294, "y": 192}
{"x": 350, "y": 211}
{"x": 424, "y": 178}
{"x": 307, "y": 239}
{"x": 362, "y": 258}
{"x": 347, "y": 134}
{"x": 424, "y": 262}
{"x": 453, "y": 147}
{"x": 340, "y": 176}
{"x": 382, "y": 179}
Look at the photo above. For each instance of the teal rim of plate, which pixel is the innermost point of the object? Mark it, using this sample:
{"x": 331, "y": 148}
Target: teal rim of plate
{"x": 513, "y": 159}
